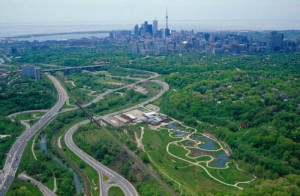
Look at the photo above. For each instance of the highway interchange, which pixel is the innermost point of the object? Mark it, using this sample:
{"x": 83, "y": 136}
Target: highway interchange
{"x": 118, "y": 180}
{"x": 14, "y": 156}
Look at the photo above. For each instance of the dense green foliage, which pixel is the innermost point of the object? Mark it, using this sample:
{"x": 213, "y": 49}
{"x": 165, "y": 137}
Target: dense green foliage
{"x": 69, "y": 56}
{"x": 48, "y": 164}
{"x": 99, "y": 145}
{"x": 13, "y": 130}
{"x": 290, "y": 185}
{"x": 23, "y": 188}
{"x": 20, "y": 94}
{"x": 251, "y": 101}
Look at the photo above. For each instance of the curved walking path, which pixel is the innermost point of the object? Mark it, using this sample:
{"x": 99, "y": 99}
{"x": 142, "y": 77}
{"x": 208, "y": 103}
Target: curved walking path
{"x": 188, "y": 137}
{"x": 139, "y": 141}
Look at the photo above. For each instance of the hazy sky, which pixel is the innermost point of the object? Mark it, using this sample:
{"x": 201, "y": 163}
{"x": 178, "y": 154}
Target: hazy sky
{"x": 280, "y": 12}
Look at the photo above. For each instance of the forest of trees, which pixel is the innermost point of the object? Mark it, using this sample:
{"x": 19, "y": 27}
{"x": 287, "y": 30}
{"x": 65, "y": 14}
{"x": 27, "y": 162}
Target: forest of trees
{"x": 20, "y": 94}
{"x": 253, "y": 103}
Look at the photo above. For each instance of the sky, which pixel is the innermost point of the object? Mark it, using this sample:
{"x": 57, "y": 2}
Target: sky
{"x": 280, "y": 14}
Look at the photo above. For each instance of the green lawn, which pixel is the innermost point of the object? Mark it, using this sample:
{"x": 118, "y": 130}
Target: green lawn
{"x": 230, "y": 175}
{"x": 115, "y": 191}
{"x": 26, "y": 116}
{"x": 88, "y": 138}
{"x": 193, "y": 179}
{"x": 20, "y": 187}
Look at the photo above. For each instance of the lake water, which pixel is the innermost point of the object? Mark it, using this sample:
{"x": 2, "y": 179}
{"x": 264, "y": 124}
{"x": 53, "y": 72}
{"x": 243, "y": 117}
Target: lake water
{"x": 60, "y": 37}
{"x": 17, "y": 29}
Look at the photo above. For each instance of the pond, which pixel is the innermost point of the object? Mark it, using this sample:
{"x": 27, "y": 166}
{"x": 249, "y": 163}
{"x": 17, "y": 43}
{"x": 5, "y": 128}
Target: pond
{"x": 179, "y": 133}
{"x": 208, "y": 144}
{"x": 43, "y": 145}
{"x": 173, "y": 126}
{"x": 222, "y": 159}
{"x": 175, "y": 130}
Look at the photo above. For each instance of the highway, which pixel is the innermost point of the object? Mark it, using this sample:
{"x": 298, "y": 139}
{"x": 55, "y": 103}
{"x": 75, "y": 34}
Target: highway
{"x": 118, "y": 180}
{"x": 14, "y": 155}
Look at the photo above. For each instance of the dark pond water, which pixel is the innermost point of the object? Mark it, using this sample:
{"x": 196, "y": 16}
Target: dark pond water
{"x": 176, "y": 130}
{"x": 173, "y": 126}
{"x": 43, "y": 145}
{"x": 222, "y": 160}
{"x": 209, "y": 144}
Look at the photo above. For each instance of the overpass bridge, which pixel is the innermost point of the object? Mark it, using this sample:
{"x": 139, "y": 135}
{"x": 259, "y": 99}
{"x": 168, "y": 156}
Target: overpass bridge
{"x": 66, "y": 70}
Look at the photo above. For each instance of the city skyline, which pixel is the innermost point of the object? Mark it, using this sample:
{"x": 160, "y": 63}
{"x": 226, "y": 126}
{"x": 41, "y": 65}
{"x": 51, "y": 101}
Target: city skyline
{"x": 237, "y": 14}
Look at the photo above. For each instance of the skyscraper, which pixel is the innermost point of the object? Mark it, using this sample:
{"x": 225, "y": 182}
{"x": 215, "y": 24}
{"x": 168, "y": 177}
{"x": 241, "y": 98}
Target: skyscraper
{"x": 155, "y": 28}
{"x": 167, "y": 31}
{"x": 136, "y": 30}
{"x": 276, "y": 40}
{"x": 145, "y": 28}
{"x": 149, "y": 29}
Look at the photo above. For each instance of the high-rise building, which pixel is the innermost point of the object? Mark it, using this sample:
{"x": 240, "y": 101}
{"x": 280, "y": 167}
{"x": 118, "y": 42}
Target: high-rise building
{"x": 149, "y": 29}
{"x": 276, "y": 41}
{"x": 30, "y": 71}
{"x": 155, "y": 28}
{"x": 167, "y": 30}
{"x": 136, "y": 30}
{"x": 145, "y": 28}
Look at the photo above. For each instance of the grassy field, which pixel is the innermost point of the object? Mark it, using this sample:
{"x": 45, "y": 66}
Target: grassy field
{"x": 193, "y": 179}
{"x": 20, "y": 187}
{"x": 89, "y": 138}
{"x": 26, "y": 116}
{"x": 115, "y": 191}
{"x": 119, "y": 71}
{"x": 89, "y": 171}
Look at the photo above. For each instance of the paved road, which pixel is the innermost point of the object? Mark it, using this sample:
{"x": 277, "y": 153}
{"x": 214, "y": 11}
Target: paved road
{"x": 14, "y": 156}
{"x": 126, "y": 186}
{"x": 11, "y": 116}
{"x": 118, "y": 180}
{"x": 43, "y": 188}
{"x": 101, "y": 96}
